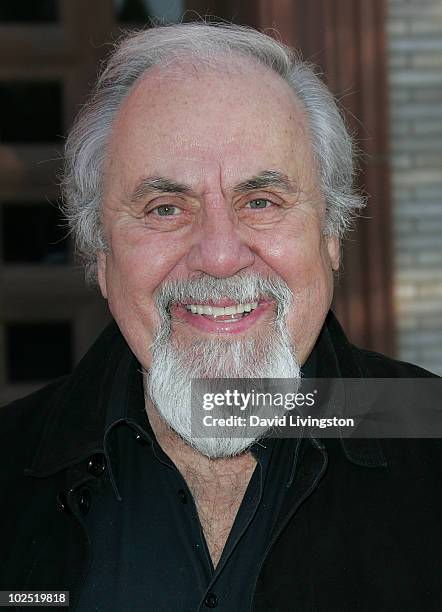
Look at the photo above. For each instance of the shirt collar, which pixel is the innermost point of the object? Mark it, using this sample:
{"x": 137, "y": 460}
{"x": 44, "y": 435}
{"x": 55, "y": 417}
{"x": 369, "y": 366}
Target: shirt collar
{"x": 79, "y": 416}
{"x": 127, "y": 406}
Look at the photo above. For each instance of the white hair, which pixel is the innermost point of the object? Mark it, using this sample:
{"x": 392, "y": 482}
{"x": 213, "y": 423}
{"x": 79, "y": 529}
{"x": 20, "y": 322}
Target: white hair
{"x": 137, "y": 52}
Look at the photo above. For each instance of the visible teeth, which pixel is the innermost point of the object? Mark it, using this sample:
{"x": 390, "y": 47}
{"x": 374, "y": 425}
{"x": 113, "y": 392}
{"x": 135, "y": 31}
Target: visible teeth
{"x": 229, "y": 310}
{"x": 218, "y": 311}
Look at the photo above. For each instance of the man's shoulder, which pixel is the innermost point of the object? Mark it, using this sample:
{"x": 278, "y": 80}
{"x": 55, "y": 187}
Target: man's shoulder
{"x": 355, "y": 362}
{"x": 377, "y": 365}
{"x": 23, "y": 420}
{"x": 38, "y": 398}
{"x": 28, "y": 415}
{"x": 26, "y": 405}
{"x": 65, "y": 404}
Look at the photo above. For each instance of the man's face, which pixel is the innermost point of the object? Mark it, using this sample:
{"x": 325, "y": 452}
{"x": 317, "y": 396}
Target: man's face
{"x": 213, "y": 174}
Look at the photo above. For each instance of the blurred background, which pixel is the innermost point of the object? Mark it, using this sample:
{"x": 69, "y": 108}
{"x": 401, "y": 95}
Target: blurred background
{"x": 383, "y": 60}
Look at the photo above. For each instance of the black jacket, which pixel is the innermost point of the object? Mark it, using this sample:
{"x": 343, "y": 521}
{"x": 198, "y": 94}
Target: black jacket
{"x": 367, "y": 536}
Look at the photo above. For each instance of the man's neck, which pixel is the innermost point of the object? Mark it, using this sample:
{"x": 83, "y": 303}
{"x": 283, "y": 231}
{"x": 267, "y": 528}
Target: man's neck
{"x": 217, "y": 485}
{"x": 183, "y": 455}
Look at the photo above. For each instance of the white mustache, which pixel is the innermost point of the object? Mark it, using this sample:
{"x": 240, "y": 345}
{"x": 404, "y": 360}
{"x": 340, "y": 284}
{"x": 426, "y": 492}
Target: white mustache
{"x": 241, "y": 288}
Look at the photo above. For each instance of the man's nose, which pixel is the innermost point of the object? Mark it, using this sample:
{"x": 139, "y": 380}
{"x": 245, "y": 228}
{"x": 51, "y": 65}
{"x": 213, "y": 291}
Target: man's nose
{"x": 220, "y": 246}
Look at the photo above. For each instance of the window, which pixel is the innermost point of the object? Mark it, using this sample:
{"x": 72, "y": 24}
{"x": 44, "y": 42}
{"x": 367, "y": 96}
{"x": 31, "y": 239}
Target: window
{"x": 34, "y": 233}
{"x": 30, "y": 112}
{"x": 32, "y": 11}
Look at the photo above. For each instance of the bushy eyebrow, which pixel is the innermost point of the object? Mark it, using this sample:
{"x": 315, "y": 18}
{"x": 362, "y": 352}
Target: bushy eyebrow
{"x": 266, "y": 178}
{"x": 155, "y": 184}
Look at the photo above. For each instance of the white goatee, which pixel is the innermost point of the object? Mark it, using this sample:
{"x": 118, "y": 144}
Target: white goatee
{"x": 268, "y": 354}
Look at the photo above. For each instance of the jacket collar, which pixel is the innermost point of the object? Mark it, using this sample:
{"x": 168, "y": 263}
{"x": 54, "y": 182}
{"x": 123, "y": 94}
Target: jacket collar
{"x": 341, "y": 360}
{"x": 77, "y": 417}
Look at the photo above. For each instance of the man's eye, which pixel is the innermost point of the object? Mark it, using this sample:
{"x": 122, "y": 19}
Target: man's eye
{"x": 166, "y": 210}
{"x": 259, "y": 203}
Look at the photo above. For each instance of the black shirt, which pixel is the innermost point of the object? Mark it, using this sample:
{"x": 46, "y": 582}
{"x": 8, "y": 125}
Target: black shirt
{"x": 148, "y": 546}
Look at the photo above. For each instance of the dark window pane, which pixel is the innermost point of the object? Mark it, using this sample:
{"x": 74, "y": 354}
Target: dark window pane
{"x": 34, "y": 233}
{"x": 133, "y": 11}
{"x": 38, "y": 351}
{"x": 140, "y": 11}
{"x": 30, "y": 112}
{"x": 28, "y": 10}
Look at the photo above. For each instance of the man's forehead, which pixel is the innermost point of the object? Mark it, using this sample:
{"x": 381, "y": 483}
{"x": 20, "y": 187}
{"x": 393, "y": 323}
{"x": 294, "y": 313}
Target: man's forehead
{"x": 204, "y": 128}
{"x": 176, "y": 90}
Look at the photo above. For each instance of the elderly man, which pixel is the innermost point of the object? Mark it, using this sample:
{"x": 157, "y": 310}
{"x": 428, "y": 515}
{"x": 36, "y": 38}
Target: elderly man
{"x": 208, "y": 183}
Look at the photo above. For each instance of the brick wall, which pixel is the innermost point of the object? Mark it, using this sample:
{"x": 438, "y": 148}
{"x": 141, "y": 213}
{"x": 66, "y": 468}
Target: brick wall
{"x": 415, "y": 76}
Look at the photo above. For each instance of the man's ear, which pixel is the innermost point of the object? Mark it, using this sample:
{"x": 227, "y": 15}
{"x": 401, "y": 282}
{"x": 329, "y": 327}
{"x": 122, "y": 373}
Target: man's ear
{"x": 334, "y": 251}
{"x": 101, "y": 272}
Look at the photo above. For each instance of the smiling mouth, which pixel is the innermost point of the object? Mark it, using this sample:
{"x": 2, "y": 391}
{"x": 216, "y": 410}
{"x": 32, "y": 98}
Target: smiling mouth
{"x": 222, "y": 314}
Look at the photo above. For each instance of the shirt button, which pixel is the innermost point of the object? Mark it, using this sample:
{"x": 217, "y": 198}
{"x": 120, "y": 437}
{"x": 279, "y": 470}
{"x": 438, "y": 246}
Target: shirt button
{"x": 182, "y": 495}
{"x": 211, "y": 600}
{"x": 96, "y": 465}
{"x": 62, "y": 503}
{"x": 141, "y": 439}
{"x": 84, "y": 501}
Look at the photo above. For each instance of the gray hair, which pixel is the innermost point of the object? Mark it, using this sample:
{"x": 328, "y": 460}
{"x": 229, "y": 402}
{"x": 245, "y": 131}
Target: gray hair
{"x": 135, "y": 53}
